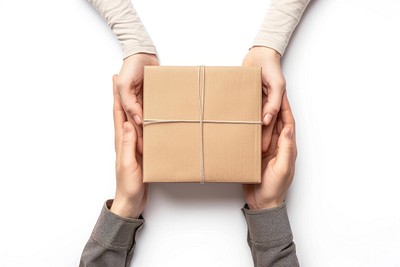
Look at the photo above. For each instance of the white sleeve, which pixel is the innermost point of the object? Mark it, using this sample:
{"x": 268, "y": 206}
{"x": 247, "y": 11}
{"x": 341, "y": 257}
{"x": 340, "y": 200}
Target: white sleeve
{"x": 123, "y": 20}
{"x": 279, "y": 23}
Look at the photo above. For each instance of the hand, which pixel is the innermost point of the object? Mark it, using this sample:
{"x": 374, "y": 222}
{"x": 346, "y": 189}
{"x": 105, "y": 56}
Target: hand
{"x": 131, "y": 193}
{"x": 278, "y": 164}
{"x": 274, "y": 85}
{"x": 130, "y": 89}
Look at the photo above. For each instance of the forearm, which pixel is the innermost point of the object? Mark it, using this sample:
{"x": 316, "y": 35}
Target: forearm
{"x": 124, "y": 21}
{"x": 270, "y": 237}
{"x": 279, "y": 23}
{"x": 112, "y": 241}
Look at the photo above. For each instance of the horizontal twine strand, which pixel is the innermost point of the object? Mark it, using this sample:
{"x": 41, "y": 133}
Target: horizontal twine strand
{"x": 154, "y": 121}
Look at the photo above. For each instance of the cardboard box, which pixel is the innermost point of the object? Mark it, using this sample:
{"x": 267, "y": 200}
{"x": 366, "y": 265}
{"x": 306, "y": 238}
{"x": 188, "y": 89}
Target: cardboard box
{"x": 202, "y": 124}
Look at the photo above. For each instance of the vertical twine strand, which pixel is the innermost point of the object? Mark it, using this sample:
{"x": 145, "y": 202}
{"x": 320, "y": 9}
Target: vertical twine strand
{"x": 201, "y": 78}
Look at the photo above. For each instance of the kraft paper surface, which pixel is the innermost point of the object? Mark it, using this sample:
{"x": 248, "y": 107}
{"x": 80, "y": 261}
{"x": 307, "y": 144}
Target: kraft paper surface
{"x": 172, "y": 151}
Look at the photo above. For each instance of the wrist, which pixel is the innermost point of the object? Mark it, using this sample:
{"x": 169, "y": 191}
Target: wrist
{"x": 266, "y": 51}
{"x": 142, "y": 55}
{"x": 273, "y": 203}
{"x": 125, "y": 208}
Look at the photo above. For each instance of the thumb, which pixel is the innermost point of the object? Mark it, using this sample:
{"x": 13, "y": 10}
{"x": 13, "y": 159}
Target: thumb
{"x": 129, "y": 100}
{"x": 128, "y": 146}
{"x": 287, "y": 150}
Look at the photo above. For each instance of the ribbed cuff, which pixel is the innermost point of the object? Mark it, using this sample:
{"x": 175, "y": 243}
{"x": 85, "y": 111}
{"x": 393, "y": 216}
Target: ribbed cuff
{"x": 268, "y": 226}
{"x": 134, "y": 49}
{"x": 116, "y": 232}
{"x": 277, "y": 46}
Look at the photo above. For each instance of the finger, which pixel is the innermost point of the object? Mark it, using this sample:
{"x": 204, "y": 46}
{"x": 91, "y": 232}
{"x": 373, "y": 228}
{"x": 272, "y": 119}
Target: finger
{"x": 287, "y": 120}
{"x": 128, "y": 145}
{"x": 139, "y": 132}
{"x": 279, "y": 123}
{"x": 274, "y": 141}
{"x": 118, "y": 114}
{"x": 286, "y": 150}
{"x": 130, "y": 102}
{"x": 286, "y": 112}
{"x": 273, "y": 104}
{"x": 267, "y": 133}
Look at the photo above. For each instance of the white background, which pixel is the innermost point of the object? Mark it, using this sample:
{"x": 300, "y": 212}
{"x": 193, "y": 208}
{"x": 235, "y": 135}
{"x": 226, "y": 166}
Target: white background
{"x": 56, "y": 132}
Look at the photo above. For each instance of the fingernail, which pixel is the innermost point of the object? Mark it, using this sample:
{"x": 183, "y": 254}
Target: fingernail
{"x": 137, "y": 119}
{"x": 267, "y": 119}
{"x": 289, "y": 132}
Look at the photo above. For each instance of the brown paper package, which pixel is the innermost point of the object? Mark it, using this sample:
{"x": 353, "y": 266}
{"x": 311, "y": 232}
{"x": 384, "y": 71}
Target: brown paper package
{"x": 202, "y": 124}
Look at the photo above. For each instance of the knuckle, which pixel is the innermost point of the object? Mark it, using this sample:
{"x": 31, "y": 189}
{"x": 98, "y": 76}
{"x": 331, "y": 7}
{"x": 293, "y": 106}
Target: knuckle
{"x": 121, "y": 85}
{"x": 296, "y": 152}
{"x": 282, "y": 83}
{"x": 128, "y": 108}
{"x": 126, "y": 141}
{"x": 125, "y": 166}
{"x": 286, "y": 172}
{"x": 274, "y": 108}
{"x": 126, "y": 169}
{"x": 133, "y": 191}
{"x": 291, "y": 149}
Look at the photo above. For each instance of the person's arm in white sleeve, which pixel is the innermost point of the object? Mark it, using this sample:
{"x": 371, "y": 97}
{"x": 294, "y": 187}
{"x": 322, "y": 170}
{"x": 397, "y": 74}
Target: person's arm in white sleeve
{"x": 138, "y": 51}
{"x": 279, "y": 23}
{"x": 124, "y": 21}
{"x": 267, "y": 50}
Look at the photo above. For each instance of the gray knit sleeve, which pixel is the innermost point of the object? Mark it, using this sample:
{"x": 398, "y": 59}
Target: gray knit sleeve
{"x": 270, "y": 237}
{"x": 112, "y": 241}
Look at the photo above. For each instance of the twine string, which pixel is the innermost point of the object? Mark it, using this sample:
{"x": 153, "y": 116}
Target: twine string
{"x": 201, "y": 77}
{"x": 154, "y": 121}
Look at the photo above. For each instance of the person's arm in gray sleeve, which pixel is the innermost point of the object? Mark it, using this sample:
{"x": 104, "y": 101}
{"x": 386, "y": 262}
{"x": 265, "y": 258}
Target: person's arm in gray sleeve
{"x": 269, "y": 237}
{"x": 112, "y": 241}
{"x": 113, "y": 238}
{"x": 269, "y": 234}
